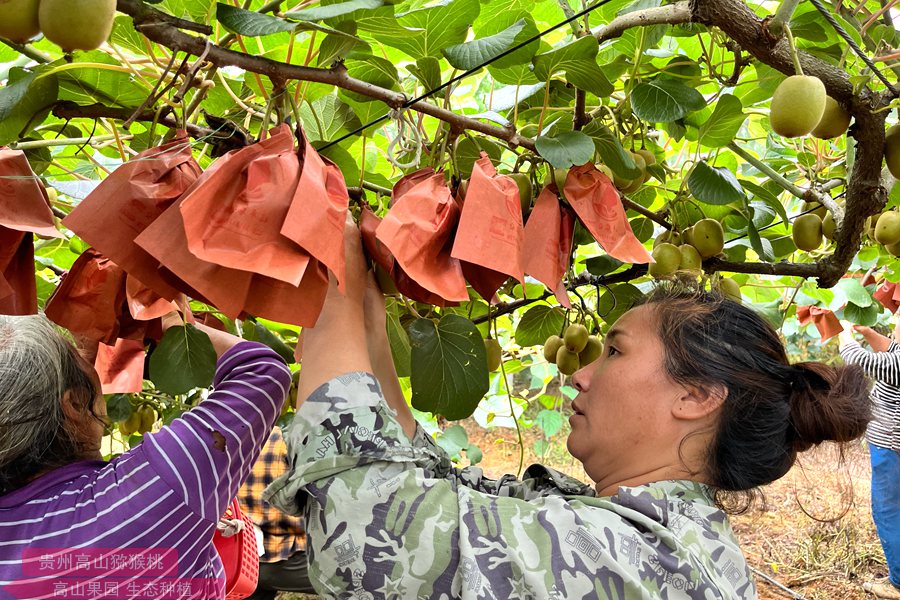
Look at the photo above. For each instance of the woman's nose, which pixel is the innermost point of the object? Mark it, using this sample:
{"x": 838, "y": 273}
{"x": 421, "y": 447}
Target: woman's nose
{"x": 582, "y": 378}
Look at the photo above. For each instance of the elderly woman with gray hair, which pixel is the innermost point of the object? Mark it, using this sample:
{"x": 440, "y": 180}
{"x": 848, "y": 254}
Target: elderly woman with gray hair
{"x": 140, "y": 526}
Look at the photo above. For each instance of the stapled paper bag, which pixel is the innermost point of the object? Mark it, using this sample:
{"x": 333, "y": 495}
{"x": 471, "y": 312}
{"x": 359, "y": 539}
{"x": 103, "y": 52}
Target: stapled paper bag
{"x": 548, "y": 243}
{"x": 18, "y": 288}
{"x": 825, "y": 321}
{"x": 24, "y": 205}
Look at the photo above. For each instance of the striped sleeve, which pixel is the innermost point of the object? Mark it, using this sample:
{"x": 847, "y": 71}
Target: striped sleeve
{"x": 207, "y": 453}
{"x": 882, "y": 366}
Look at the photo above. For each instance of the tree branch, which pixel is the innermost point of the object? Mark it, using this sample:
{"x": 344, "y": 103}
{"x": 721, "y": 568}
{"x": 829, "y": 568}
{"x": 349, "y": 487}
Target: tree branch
{"x": 815, "y": 269}
{"x": 158, "y": 27}
{"x": 71, "y": 110}
{"x": 671, "y": 14}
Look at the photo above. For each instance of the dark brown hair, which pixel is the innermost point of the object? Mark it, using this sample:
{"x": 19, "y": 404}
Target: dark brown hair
{"x": 773, "y": 409}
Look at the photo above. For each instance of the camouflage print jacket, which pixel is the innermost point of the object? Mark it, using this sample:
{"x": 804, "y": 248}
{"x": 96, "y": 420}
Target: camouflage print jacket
{"x": 389, "y": 518}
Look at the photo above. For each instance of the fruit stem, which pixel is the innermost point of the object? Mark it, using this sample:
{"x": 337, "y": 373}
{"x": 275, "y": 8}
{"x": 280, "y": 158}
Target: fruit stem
{"x": 798, "y": 69}
{"x": 783, "y": 17}
{"x": 512, "y": 408}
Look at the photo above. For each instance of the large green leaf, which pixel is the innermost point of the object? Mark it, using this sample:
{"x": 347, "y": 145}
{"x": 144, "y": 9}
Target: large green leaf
{"x": 549, "y": 421}
{"x": 401, "y": 350}
{"x": 539, "y": 323}
{"x": 257, "y": 332}
{"x": 426, "y": 31}
{"x": 248, "y": 22}
{"x": 327, "y": 117}
{"x": 714, "y": 185}
{"x": 855, "y": 292}
{"x": 185, "y": 359}
{"x": 578, "y": 60}
{"x": 721, "y": 127}
{"x": 449, "y": 366}
{"x": 503, "y": 20}
{"x": 24, "y": 103}
{"x": 661, "y": 100}
{"x": 330, "y": 11}
{"x": 566, "y": 149}
{"x": 375, "y": 70}
{"x": 476, "y": 53}
{"x": 611, "y": 151}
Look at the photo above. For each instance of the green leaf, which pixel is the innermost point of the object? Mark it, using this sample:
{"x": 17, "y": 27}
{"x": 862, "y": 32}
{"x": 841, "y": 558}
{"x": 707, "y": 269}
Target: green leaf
{"x": 260, "y": 333}
{"x": 184, "y": 359}
{"x": 23, "y": 102}
{"x": 855, "y": 292}
{"x": 721, "y": 127}
{"x": 714, "y": 185}
{"x": 426, "y": 31}
{"x": 469, "y": 150}
{"x": 474, "y": 454}
{"x": 611, "y": 151}
{"x": 449, "y": 366}
{"x": 761, "y": 246}
{"x": 375, "y": 70}
{"x": 565, "y": 150}
{"x": 642, "y": 228}
{"x": 330, "y": 11}
{"x": 539, "y": 323}
{"x": 766, "y": 196}
{"x": 428, "y": 71}
{"x": 399, "y": 341}
{"x": 578, "y": 60}
{"x": 248, "y": 22}
{"x": 550, "y": 421}
{"x": 453, "y": 440}
{"x": 867, "y": 316}
{"x": 327, "y": 117}
{"x": 118, "y": 407}
{"x": 616, "y": 301}
{"x": 601, "y": 265}
{"x": 661, "y": 101}
{"x": 476, "y": 53}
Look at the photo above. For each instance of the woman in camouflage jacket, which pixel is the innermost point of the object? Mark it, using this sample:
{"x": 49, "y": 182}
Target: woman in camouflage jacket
{"x": 692, "y": 399}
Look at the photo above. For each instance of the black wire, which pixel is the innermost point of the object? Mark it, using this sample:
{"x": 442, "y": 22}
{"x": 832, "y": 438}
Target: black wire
{"x": 409, "y": 103}
{"x": 859, "y": 51}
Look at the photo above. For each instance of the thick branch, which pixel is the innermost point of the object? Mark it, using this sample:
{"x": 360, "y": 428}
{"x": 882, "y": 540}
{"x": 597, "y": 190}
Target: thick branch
{"x": 671, "y": 14}
{"x": 818, "y": 269}
{"x": 154, "y": 24}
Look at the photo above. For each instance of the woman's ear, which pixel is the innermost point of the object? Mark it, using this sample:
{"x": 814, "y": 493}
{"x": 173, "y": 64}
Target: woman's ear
{"x": 698, "y": 402}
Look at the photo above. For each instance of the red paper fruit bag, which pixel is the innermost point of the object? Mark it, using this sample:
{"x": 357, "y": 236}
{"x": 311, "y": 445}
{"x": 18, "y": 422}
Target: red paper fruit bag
{"x": 121, "y": 366}
{"x": 315, "y": 219}
{"x": 368, "y": 224}
{"x": 825, "y": 321}
{"x": 888, "y": 295}
{"x": 490, "y": 235}
{"x": 596, "y": 202}
{"x": 24, "y": 205}
{"x": 131, "y": 198}
{"x": 233, "y": 215}
{"x": 18, "y": 290}
{"x": 417, "y": 230}
{"x": 548, "y": 243}
{"x": 90, "y": 298}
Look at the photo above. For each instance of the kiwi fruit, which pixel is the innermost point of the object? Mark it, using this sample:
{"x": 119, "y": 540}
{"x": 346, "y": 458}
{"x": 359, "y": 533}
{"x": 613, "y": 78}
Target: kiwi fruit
{"x": 131, "y": 424}
{"x": 668, "y": 260}
{"x": 526, "y": 192}
{"x": 551, "y": 347}
{"x": 834, "y": 122}
{"x": 887, "y": 230}
{"x": 576, "y": 337}
{"x": 807, "y": 232}
{"x": 591, "y": 352}
{"x": 567, "y": 361}
{"x": 731, "y": 289}
{"x": 708, "y": 237}
{"x": 828, "y": 226}
{"x": 814, "y": 208}
{"x": 494, "y": 353}
{"x": 797, "y": 105}
{"x": 148, "y": 418}
{"x": 19, "y": 20}
{"x": 77, "y": 24}
{"x": 690, "y": 258}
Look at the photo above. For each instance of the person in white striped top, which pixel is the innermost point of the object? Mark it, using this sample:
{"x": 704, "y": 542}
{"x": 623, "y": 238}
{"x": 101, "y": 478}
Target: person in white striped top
{"x": 883, "y": 436}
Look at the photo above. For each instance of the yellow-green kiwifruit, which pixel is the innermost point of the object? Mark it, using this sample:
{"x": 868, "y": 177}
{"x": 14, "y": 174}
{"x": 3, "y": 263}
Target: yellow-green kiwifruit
{"x": 807, "y": 232}
{"x": 634, "y": 186}
{"x": 669, "y": 235}
{"x": 687, "y": 235}
{"x": 649, "y": 159}
{"x": 148, "y": 418}
{"x": 834, "y": 122}
{"x": 797, "y": 105}
{"x": 606, "y": 171}
{"x": 494, "y": 353}
{"x": 551, "y": 347}
{"x": 526, "y": 192}
{"x": 690, "y": 258}
{"x": 131, "y": 424}
{"x": 894, "y": 249}
{"x": 668, "y": 260}
{"x": 708, "y": 237}
{"x": 558, "y": 178}
{"x": 892, "y": 150}
{"x": 19, "y": 20}
{"x": 887, "y": 231}
{"x": 567, "y": 361}
{"x": 828, "y": 226}
{"x": 814, "y": 208}
{"x": 591, "y": 352}
{"x": 576, "y": 337}
{"x": 52, "y": 195}
{"x": 77, "y": 24}
{"x": 731, "y": 289}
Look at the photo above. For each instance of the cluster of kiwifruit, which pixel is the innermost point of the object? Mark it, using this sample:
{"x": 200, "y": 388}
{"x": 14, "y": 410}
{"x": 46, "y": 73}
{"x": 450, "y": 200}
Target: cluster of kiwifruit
{"x": 884, "y": 228}
{"x": 71, "y": 24}
{"x": 800, "y": 106}
{"x": 684, "y": 251}
{"x": 575, "y": 349}
{"x": 140, "y": 420}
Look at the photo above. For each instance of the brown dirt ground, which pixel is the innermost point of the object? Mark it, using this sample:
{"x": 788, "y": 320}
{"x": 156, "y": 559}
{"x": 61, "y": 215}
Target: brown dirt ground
{"x": 812, "y": 534}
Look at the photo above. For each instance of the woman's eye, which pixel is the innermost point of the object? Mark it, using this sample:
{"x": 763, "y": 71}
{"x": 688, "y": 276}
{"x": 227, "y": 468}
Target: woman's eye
{"x": 610, "y": 350}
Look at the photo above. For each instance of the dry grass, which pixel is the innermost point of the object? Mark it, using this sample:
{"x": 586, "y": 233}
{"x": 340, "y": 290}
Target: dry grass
{"x": 814, "y": 534}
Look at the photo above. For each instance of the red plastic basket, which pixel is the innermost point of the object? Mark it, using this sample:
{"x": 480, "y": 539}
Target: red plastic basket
{"x": 239, "y": 556}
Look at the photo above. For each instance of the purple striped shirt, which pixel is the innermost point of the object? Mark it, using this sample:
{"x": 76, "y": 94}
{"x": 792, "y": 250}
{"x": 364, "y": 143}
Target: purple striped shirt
{"x": 141, "y": 526}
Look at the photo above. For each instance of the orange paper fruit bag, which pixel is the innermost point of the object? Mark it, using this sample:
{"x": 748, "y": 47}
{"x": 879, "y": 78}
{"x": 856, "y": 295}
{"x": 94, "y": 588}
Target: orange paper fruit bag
{"x": 548, "y": 243}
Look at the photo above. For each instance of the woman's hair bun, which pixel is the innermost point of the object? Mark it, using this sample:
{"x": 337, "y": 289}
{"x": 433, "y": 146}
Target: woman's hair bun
{"x": 828, "y": 403}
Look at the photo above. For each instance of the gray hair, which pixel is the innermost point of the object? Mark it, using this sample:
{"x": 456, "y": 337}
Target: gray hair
{"x": 37, "y": 366}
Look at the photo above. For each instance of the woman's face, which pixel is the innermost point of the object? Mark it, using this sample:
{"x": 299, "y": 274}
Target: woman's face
{"x": 624, "y": 411}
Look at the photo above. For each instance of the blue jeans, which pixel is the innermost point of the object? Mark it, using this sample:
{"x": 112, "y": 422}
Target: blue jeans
{"x": 886, "y": 505}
